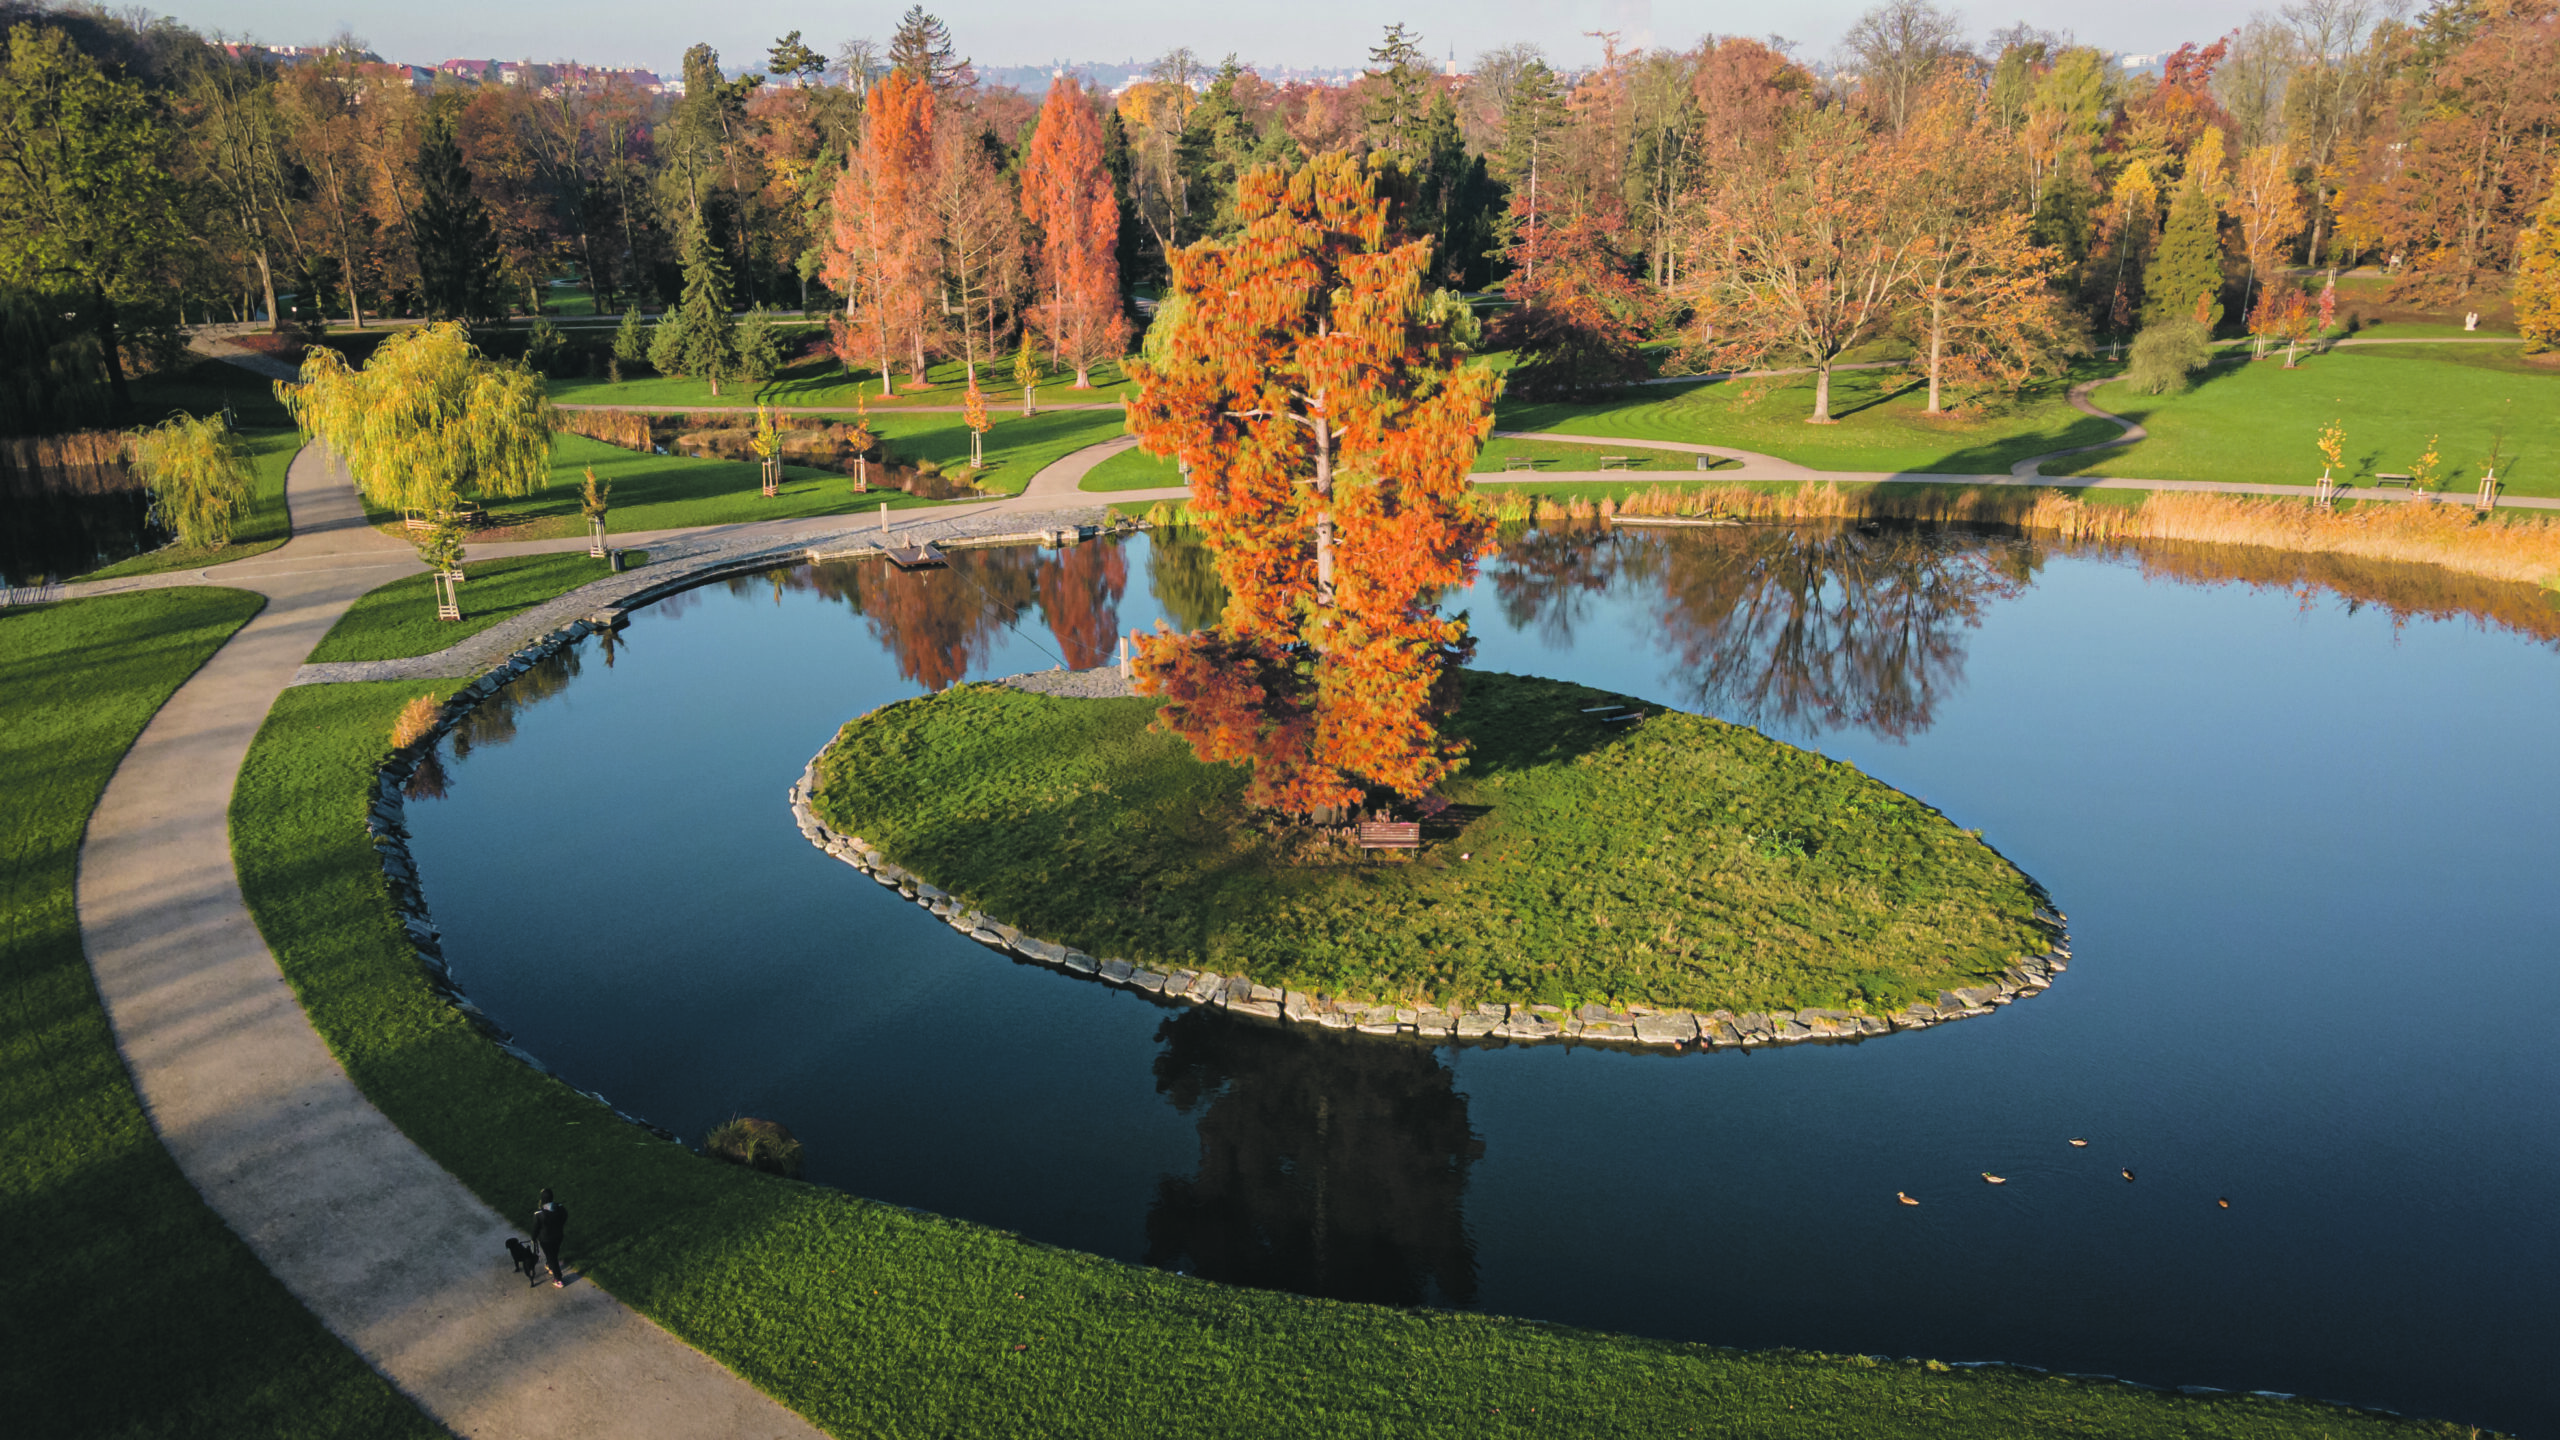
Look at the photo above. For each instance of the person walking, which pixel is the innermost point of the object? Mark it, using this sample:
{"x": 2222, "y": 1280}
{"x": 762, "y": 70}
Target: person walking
{"x": 550, "y": 1225}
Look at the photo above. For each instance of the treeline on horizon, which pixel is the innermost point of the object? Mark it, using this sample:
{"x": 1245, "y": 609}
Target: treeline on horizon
{"x": 2000, "y": 207}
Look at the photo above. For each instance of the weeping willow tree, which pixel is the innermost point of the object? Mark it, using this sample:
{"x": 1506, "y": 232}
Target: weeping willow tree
{"x": 198, "y": 472}
{"x": 428, "y": 423}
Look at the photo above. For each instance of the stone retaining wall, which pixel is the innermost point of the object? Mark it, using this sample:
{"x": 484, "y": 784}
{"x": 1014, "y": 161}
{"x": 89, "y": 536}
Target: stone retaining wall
{"x": 1635, "y": 1025}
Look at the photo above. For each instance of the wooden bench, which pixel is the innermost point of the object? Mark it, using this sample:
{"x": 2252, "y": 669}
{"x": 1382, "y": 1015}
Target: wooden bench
{"x": 1390, "y": 835}
{"x": 2385, "y": 482}
{"x": 1616, "y": 462}
{"x": 1519, "y": 462}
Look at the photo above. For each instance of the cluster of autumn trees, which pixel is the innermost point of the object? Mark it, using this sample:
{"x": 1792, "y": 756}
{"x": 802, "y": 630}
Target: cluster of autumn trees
{"x": 1999, "y": 202}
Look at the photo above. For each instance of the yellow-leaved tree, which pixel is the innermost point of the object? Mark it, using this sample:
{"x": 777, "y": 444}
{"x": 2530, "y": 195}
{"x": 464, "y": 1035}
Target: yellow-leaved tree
{"x": 428, "y": 423}
{"x": 199, "y": 477}
{"x": 2537, "y": 287}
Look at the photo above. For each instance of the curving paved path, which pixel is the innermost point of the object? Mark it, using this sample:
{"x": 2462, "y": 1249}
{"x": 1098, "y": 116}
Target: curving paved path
{"x": 2031, "y": 467}
{"x": 392, "y": 1253}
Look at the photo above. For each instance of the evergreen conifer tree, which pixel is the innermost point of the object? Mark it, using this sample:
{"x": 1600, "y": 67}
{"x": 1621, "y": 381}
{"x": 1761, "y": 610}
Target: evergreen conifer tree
{"x": 457, "y": 243}
{"x": 2187, "y": 264}
{"x": 631, "y": 340}
{"x": 699, "y": 338}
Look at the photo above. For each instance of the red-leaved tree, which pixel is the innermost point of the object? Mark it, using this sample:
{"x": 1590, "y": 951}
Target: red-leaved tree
{"x": 1066, "y": 192}
{"x": 881, "y": 251}
{"x": 1329, "y": 428}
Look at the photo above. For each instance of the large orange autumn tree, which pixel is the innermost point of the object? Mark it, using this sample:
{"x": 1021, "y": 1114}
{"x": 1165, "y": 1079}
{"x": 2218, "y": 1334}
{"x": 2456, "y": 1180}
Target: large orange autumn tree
{"x": 880, "y": 246}
{"x": 1329, "y": 428}
{"x": 1066, "y": 192}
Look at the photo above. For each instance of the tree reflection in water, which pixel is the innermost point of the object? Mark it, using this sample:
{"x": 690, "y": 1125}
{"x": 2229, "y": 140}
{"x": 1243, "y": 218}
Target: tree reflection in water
{"x": 940, "y": 624}
{"x": 1812, "y": 626}
{"x": 1328, "y": 1166}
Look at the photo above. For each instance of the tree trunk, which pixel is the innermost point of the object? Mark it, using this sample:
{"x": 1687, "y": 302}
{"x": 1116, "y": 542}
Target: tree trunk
{"x": 111, "y": 345}
{"x": 267, "y": 280}
{"x": 1937, "y": 346}
{"x": 1821, "y": 395}
{"x": 1084, "y": 380}
{"x": 1324, "y": 516}
{"x": 355, "y": 302}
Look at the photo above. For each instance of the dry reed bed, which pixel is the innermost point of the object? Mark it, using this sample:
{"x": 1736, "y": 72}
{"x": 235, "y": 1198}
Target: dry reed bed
{"x": 2418, "y": 532}
{"x": 87, "y": 462}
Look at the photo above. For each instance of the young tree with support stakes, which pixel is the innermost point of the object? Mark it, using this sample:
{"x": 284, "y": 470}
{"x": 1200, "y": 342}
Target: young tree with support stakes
{"x": 1026, "y": 373}
{"x": 595, "y": 498}
{"x": 1328, "y": 428}
{"x": 974, "y": 414}
{"x": 428, "y": 423}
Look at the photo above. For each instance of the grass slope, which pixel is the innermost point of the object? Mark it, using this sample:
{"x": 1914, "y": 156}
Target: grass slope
{"x": 1879, "y": 428}
{"x": 127, "y": 1308}
{"x": 398, "y": 620}
{"x": 263, "y": 524}
{"x": 2258, "y": 422}
{"x": 875, "y": 1320}
{"x": 1685, "y": 862}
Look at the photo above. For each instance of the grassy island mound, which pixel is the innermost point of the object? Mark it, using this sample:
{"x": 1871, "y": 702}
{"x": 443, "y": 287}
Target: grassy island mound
{"x": 1681, "y": 862}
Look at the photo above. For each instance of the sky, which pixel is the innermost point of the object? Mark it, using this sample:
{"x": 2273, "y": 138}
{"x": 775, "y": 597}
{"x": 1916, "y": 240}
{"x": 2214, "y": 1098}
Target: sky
{"x": 1307, "y": 33}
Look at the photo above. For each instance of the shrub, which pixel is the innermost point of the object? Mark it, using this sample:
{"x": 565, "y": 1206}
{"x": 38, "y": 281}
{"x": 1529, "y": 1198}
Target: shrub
{"x": 759, "y": 346}
{"x": 545, "y": 349}
{"x": 2166, "y": 354}
{"x": 765, "y": 1145}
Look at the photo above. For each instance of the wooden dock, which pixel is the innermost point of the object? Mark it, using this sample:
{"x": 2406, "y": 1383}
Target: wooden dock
{"x": 917, "y": 557}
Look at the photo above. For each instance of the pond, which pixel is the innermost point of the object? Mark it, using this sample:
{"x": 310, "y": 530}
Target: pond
{"x": 48, "y": 537}
{"x": 2296, "y": 815}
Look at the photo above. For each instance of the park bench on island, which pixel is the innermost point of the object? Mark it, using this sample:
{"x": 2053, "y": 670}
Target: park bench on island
{"x": 1390, "y": 834}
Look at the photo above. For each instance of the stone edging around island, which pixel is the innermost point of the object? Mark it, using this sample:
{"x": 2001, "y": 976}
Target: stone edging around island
{"x": 1486, "y": 1023}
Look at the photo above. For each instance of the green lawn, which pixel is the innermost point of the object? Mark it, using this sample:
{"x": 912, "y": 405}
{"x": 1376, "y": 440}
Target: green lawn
{"x": 1133, "y": 469}
{"x": 1684, "y": 863}
{"x": 127, "y": 1308}
{"x": 824, "y": 382}
{"x": 2258, "y": 423}
{"x": 263, "y": 524}
{"x": 398, "y": 620}
{"x": 1557, "y": 455}
{"x": 202, "y": 385}
{"x": 1877, "y": 430}
{"x": 872, "y": 1319}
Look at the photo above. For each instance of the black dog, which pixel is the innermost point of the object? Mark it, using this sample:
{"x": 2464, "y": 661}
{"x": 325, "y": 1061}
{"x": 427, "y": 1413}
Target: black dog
{"x": 527, "y": 1263}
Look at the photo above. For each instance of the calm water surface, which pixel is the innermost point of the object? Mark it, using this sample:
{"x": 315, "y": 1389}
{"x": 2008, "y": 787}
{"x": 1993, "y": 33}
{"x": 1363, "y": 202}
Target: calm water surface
{"x": 2305, "y": 845}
